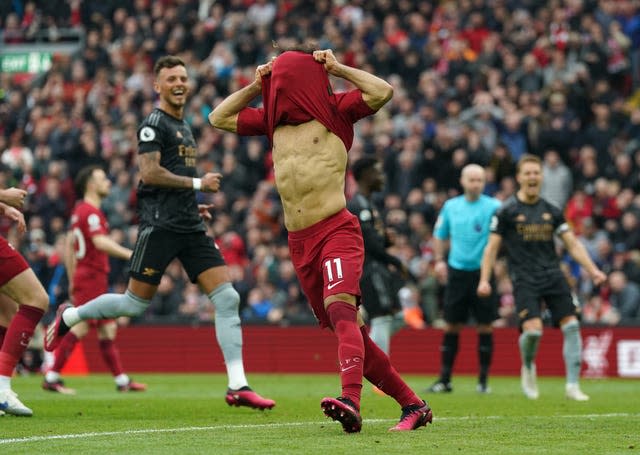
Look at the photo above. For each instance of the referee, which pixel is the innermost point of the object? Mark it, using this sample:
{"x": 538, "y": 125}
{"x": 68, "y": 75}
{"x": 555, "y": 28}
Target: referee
{"x": 464, "y": 221}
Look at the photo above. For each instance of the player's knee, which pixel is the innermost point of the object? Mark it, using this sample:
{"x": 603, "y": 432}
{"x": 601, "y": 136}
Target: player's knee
{"x": 226, "y": 300}
{"x": 38, "y": 298}
{"x": 134, "y": 305}
{"x": 571, "y": 326}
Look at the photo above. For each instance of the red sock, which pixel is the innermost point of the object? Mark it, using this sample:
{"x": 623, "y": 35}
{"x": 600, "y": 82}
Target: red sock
{"x": 379, "y": 371}
{"x": 344, "y": 319}
{"x": 3, "y": 330}
{"x": 64, "y": 351}
{"x": 17, "y": 337}
{"x": 111, "y": 356}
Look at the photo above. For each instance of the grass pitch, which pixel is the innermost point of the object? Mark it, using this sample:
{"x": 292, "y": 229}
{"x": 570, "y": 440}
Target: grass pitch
{"x": 186, "y": 414}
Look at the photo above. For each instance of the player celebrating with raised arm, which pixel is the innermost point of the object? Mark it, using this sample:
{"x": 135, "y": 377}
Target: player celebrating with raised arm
{"x": 527, "y": 224}
{"x": 18, "y": 286}
{"x": 172, "y": 227}
{"x": 86, "y": 258}
{"x": 311, "y": 129}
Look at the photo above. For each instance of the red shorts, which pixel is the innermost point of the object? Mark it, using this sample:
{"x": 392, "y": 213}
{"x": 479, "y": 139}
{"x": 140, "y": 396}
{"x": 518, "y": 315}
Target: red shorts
{"x": 328, "y": 258}
{"x": 11, "y": 262}
{"x": 87, "y": 285}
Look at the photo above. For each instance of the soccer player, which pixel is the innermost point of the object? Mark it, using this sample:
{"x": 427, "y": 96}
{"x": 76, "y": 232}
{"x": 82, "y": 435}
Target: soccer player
{"x": 464, "y": 221}
{"x": 18, "y": 286}
{"x": 311, "y": 129}
{"x": 172, "y": 227}
{"x": 377, "y": 284}
{"x": 527, "y": 224}
{"x": 88, "y": 247}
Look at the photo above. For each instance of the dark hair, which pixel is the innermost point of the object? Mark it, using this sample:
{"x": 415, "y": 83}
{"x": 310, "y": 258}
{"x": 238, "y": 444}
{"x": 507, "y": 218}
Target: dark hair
{"x": 168, "y": 61}
{"x": 83, "y": 177}
{"x": 292, "y": 44}
{"x": 361, "y": 166}
{"x": 528, "y": 158}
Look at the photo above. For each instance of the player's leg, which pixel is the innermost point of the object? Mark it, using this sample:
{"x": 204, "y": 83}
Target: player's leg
{"x": 485, "y": 354}
{"x": 107, "y": 330}
{"x": 24, "y": 289}
{"x": 485, "y": 311}
{"x": 132, "y": 303}
{"x": 152, "y": 253}
{"x": 378, "y": 303}
{"x": 527, "y": 301}
{"x": 8, "y": 309}
{"x": 563, "y": 310}
{"x": 379, "y": 371}
{"x": 456, "y": 313}
{"x": 204, "y": 264}
{"x": 52, "y": 380}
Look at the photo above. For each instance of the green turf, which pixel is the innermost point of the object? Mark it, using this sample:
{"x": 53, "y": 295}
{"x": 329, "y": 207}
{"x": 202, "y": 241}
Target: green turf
{"x": 186, "y": 414}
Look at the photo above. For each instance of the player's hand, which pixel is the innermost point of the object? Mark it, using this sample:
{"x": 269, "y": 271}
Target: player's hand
{"x": 17, "y": 216}
{"x": 598, "y": 277}
{"x": 484, "y": 289}
{"x": 263, "y": 71}
{"x": 211, "y": 182}
{"x": 203, "y": 211}
{"x": 14, "y": 197}
{"x": 441, "y": 271}
{"x": 329, "y": 60}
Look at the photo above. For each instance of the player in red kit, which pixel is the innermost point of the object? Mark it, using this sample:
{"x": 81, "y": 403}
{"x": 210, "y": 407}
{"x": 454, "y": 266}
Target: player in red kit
{"x": 87, "y": 260}
{"x": 311, "y": 131}
{"x": 19, "y": 287}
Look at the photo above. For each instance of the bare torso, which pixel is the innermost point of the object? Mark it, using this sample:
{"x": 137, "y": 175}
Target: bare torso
{"x": 310, "y": 163}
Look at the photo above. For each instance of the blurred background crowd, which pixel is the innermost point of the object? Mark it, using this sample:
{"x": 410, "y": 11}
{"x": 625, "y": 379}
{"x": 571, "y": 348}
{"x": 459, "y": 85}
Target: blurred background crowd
{"x": 476, "y": 81}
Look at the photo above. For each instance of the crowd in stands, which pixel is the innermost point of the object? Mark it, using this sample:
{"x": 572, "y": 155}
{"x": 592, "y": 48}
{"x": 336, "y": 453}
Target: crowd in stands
{"x": 475, "y": 81}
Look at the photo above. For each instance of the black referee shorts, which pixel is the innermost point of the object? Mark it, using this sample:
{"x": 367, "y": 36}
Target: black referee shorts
{"x": 156, "y": 248}
{"x": 461, "y": 299}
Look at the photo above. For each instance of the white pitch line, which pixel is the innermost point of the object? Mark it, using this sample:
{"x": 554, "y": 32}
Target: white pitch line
{"x": 267, "y": 425}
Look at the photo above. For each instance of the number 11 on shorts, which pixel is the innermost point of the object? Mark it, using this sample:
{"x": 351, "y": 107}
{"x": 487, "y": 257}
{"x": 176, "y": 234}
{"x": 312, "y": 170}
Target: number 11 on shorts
{"x": 338, "y": 268}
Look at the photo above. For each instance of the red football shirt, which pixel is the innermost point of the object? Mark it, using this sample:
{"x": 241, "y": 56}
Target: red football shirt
{"x": 297, "y": 91}
{"x": 87, "y": 221}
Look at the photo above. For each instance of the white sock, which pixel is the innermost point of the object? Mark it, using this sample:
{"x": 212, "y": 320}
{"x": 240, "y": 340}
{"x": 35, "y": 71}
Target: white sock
{"x": 122, "y": 379}
{"x": 70, "y": 317}
{"x": 52, "y": 376}
{"x": 5, "y": 383}
{"x": 235, "y": 372}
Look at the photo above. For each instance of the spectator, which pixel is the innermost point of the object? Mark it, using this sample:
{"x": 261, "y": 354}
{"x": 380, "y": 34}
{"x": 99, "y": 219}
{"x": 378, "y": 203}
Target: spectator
{"x": 556, "y": 187}
{"x": 625, "y": 298}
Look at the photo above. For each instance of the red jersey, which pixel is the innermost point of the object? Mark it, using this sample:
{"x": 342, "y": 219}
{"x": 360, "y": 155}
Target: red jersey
{"x": 297, "y": 91}
{"x": 87, "y": 221}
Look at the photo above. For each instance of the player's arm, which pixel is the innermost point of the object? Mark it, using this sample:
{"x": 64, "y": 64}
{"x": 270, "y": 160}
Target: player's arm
{"x": 70, "y": 259}
{"x": 154, "y": 174}
{"x": 13, "y": 197}
{"x": 14, "y": 214}
{"x": 439, "y": 249}
{"x": 580, "y": 254}
{"x": 107, "y": 245}
{"x": 375, "y": 91}
{"x": 225, "y": 115}
{"x": 488, "y": 261}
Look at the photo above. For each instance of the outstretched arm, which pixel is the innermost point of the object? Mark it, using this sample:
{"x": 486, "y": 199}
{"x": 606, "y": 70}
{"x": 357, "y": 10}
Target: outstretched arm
{"x": 154, "y": 174}
{"x": 111, "y": 247}
{"x": 225, "y": 115}
{"x": 488, "y": 260}
{"x": 14, "y": 214}
{"x": 375, "y": 91}
{"x": 580, "y": 254}
{"x": 13, "y": 197}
